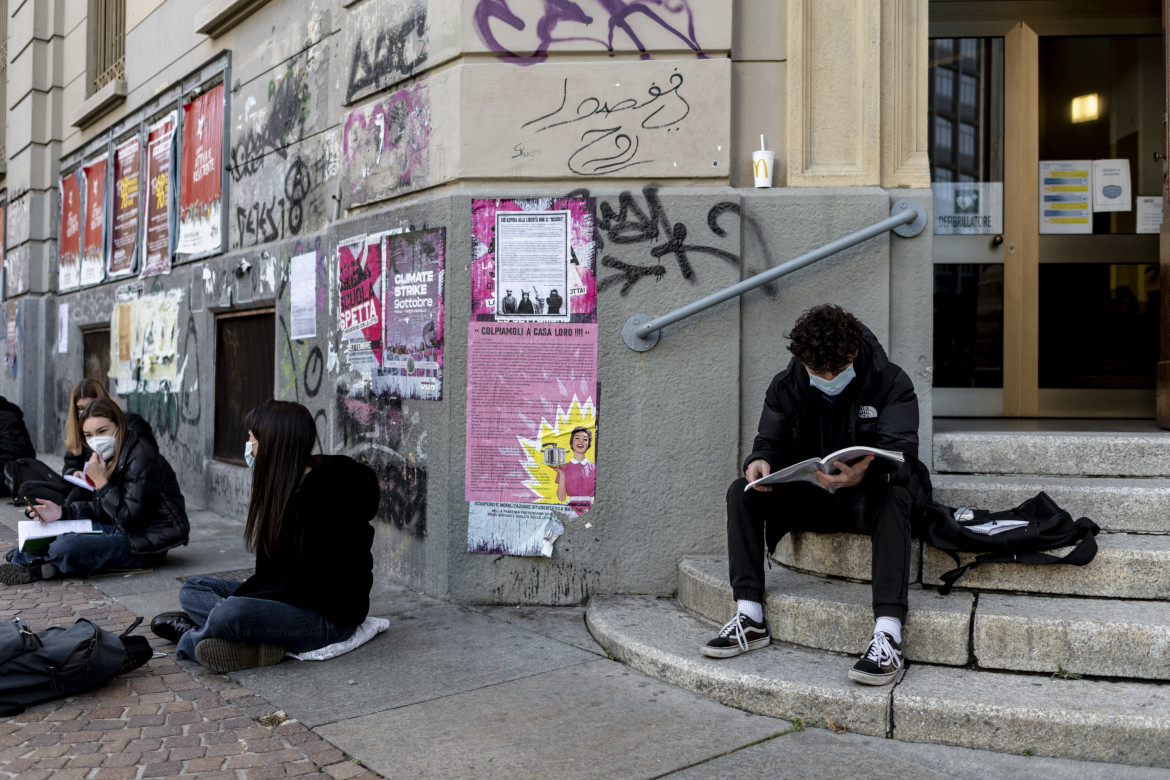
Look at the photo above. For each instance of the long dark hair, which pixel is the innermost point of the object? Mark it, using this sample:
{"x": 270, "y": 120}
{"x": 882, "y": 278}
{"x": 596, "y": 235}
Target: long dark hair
{"x": 108, "y": 409}
{"x": 286, "y": 434}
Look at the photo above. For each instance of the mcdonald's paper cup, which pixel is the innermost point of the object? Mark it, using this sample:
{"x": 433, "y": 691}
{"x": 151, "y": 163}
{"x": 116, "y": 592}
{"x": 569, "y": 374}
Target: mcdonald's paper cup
{"x": 762, "y": 167}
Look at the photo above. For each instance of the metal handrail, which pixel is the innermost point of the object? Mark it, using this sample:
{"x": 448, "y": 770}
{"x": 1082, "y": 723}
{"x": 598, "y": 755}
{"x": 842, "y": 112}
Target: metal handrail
{"x": 907, "y": 219}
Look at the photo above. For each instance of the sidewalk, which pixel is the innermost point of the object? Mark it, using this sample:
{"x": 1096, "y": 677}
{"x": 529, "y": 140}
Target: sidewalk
{"x": 448, "y": 691}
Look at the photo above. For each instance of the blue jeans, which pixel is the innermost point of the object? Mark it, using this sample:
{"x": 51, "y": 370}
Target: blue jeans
{"x": 82, "y": 553}
{"x": 210, "y": 603}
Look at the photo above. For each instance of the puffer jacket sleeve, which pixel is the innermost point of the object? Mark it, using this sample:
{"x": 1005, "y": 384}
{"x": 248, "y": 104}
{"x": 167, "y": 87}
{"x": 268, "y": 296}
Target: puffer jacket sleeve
{"x": 773, "y": 441}
{"x": 126, "y": 502}
{"x": 897, "y": 429}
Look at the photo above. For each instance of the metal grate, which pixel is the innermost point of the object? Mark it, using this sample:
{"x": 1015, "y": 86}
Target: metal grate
{"x": 108, "y": 39}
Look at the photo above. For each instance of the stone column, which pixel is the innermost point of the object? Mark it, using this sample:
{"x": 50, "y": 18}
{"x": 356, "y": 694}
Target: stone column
{"x": 834, "y": 93}
{"x": 905, "y": 70}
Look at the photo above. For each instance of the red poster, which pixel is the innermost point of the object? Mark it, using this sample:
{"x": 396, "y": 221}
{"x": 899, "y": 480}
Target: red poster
{"x": 69, "y": 269}
{"x": 359, "y": 268}
{"x": 124, "y": 225}
{"x": 93, "y": 256}
{"x": 200, "y": 189}
{"x": 158, "y": 198}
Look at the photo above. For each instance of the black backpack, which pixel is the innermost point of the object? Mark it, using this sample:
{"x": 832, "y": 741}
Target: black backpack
{"x": 21, "y": 470}
{"x": 62, "y": 661}
{"x": 1048, "y": 527}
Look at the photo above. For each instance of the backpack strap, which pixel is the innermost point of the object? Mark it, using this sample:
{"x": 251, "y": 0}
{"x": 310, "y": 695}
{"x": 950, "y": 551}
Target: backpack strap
{"x": 1083, "y": 552}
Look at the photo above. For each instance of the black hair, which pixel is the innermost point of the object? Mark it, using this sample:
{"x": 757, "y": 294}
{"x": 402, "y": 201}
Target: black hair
{"x": 584, "y": 430}
{"x": 286, "y": 435}
{"x": 825, "y": 339}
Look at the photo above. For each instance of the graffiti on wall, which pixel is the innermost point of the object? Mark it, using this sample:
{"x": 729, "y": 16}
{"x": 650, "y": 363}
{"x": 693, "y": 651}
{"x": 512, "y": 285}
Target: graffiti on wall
{"x": 641, "y": 235}
{"x": 386, "y": 51}
{"x": 524, "y": 33}
{"x": 386, "y": 146}
{"x": 287, "y": 196}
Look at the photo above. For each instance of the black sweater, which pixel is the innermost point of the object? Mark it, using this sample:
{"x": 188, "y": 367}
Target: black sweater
{"x": 323, "y": 558}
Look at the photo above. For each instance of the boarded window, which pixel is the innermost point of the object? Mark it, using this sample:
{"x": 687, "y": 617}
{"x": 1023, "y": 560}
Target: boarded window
{"x": 95, "y": 352}
{"x": 245, "y": 376}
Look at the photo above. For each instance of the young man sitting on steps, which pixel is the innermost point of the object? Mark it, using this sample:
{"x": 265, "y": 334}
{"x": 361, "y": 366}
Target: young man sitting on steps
{"x": 839, "y": 390}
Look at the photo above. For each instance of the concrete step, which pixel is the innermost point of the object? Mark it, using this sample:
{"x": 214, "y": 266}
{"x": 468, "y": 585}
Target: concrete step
{"x": 1053, "y": 453}
{"x": 1115, "y": 504}
{"x": 1103, "y": 637}
{"x": 1117, "y": 722}
{"x": 1127, "y": 566}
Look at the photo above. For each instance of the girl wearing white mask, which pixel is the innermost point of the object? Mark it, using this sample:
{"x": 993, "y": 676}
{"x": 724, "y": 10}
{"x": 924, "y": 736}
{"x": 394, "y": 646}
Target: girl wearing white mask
{"x": 136, "y": 507}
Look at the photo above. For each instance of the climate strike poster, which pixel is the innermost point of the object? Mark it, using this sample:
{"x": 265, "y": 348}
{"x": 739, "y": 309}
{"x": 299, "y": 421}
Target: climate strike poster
{"x": 359, "y": 268}
{"x": 93, "y": 250}
{"x": 412, "y": 356}
{"x": 531, "y": 373}
{"x": 124, "y": 224}
{"x": 158, "y": 225}
{"x": 201, "y": 188}
{"x": 69, "y": 268}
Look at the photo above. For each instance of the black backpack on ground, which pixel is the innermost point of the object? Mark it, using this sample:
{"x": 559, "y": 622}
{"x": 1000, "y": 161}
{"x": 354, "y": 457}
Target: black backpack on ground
{"x": 21, "y": 470}
{"x": 62, "y": 661}
{"x": 1048, "y": 527}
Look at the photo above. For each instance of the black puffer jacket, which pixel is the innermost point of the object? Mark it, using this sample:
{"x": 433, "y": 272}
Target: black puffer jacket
{"x": 877, "y": 409}
{"x": 14, "y": 439}
{"x": 323, "y": 560}
{"x": 133, "y": 421}
{"x": 142, "y": 500}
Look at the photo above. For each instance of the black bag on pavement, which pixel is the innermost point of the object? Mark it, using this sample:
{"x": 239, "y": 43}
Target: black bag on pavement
{"x": 62, "y": 661}
{"x": 21, "y": 470}
{"x": 1047, "y": 527}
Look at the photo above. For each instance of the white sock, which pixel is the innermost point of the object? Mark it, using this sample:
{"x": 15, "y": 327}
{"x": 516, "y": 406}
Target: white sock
{"x": 753, "y": 609}
{"x": 891, "y": 626}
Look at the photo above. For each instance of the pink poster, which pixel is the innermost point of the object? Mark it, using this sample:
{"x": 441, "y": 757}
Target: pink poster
{"x": 533, "y": 260}
{"x": 531, "y": 432}
{"x": 359, "y": 268}
{"x": 412, "y": 356}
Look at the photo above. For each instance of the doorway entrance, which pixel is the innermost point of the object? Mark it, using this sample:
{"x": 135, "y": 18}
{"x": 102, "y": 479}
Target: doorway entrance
{"x": 1047, "y": 161}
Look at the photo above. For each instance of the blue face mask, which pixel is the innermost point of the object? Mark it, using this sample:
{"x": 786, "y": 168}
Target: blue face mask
{"x": 249, "y": 458}
{"x": 834, "y": 386}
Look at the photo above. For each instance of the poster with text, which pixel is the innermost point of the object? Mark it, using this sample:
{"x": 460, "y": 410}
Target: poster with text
{"x": 359, "y": 269}
{"x": 1066, "y": 203}
{"x": 201, "y": 184}
{"x": 970, "y": 208}
{"x": 412, "y": 355}
{"x": 69, "y": 268}
{"x": 93, "y": 246}
{"x": 158, "y": 224}
{"x": 125, "y": 207}
{"x": 531, "y": 431}
{"x": 534, "y": 260}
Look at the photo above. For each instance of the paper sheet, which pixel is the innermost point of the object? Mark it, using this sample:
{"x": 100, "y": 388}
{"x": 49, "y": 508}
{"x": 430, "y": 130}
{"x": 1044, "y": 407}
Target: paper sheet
{"x": 62, "y": 328}
{"x": 303, "y": 295}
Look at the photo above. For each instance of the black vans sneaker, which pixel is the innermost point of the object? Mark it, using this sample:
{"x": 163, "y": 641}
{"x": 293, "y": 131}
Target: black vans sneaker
{"x": 882, "y": 663}
{"x": 739, "y": 635}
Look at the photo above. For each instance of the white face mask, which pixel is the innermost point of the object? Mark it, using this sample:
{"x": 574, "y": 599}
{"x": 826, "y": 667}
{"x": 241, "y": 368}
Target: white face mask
{"x": 104, "y": 446}
{"x": 249, "y": 458}
{"x": 835, "y": 385}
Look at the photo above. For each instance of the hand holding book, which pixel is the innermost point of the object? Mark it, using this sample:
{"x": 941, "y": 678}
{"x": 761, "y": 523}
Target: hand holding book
{"x": 816, "y": 469}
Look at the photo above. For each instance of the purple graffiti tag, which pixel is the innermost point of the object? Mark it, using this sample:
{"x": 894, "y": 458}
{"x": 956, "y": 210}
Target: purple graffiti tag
{"x": 389, "y": 138}
{"x": 612, "y": 16}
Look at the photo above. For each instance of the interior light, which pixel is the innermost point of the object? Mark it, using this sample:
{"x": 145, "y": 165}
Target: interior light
{"x": 1085, "y": 108}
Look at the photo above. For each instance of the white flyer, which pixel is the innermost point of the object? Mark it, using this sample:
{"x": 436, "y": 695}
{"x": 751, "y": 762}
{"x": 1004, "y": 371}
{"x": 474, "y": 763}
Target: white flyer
{"x": 303, "y": 295}
{"x": 1149, "y": 214}
{"x": 62, "y": 328}
{"x": 1112, "y": 190}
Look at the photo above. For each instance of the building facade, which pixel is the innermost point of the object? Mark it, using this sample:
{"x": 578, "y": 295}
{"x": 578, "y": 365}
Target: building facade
{"x": 213, "y": 203}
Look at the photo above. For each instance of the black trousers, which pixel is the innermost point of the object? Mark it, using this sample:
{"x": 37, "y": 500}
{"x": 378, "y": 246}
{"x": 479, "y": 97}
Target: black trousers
{"x": 756, "y": 522}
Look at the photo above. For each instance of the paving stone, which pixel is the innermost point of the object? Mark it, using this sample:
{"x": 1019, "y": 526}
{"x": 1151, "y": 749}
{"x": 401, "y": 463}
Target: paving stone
{"x": 831, "y": 614}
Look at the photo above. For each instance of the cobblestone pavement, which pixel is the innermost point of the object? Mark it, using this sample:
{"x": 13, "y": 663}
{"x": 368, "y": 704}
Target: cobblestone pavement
{"x": 169, "y": 718}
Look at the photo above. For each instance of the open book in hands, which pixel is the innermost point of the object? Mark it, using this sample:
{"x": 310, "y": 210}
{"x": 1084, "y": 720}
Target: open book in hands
{"x": 806, "y": 470}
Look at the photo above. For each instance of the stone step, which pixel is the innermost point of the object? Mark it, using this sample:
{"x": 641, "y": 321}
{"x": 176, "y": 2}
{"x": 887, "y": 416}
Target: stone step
{"x": 1117, "y": 722}
{"x": 1103, "y": 637}
{"x": 1127, "y": 566}
{"x": 1115, "y": 504}
{"x": 1138, "y": 453}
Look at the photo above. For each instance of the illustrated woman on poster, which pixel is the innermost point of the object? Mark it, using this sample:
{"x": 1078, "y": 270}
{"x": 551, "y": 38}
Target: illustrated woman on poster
{"x": 577, "y": 479}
